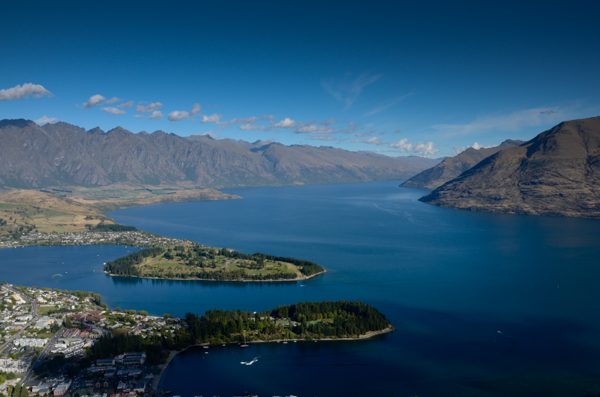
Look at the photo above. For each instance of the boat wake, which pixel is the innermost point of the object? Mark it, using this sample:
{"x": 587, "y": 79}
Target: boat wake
{"x": 255, "y": 359}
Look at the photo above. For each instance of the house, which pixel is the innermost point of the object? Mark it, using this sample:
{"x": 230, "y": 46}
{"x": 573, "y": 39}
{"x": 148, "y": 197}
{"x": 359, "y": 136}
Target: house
{"x": 140, "y": 387}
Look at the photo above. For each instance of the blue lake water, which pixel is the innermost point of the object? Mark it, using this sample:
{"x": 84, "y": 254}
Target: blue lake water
{"x": 448, "y": 280}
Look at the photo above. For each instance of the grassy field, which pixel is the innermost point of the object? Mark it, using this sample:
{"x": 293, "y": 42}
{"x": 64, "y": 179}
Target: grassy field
{"x": 188, "y": 261}
{"x": 22, "y": 211}
{"x": 75, "y": 209}
{"x": 45, "y": 309}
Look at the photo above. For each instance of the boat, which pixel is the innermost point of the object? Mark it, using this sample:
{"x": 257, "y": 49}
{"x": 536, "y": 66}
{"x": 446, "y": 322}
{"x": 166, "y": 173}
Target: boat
{"x": 169, "y": 391}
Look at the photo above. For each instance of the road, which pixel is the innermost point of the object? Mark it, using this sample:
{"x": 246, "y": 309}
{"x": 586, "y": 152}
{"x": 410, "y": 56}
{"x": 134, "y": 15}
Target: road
{"x": 32, "y": 322}
{"x": 44, "y": 353}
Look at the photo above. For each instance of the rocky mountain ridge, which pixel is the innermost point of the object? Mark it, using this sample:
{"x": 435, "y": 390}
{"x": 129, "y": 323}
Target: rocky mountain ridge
{"x": 61, "y": 154}
{"x": 556, "y": 173}
{"x": 452, "y": 167}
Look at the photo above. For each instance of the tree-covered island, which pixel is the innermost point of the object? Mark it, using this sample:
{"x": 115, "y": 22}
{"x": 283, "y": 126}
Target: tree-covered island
{"x": 207, "y": 263}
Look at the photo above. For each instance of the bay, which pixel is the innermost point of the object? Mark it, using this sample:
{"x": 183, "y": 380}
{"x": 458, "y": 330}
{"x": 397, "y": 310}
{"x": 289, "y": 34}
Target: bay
{"x": 484, "y": 304}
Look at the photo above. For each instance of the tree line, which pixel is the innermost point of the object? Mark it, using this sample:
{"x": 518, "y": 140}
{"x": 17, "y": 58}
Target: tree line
{"x": 125, "y": 266}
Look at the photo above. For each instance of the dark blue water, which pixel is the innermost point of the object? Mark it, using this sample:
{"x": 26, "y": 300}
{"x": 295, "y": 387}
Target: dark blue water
{"x": 448, "y": 280}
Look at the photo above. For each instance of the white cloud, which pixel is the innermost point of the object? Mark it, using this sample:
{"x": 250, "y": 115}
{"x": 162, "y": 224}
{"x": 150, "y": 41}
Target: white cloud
{"x": 313, "y": 129}
{"x": 112, "y": 100}
{"x": 322, "y": 138}
{"x": 510, "y": 122}
{"x": 354, "y": 141}
{"x": 425, "y": 149}
{"x": 348, "y": 90}
{"x": 45, "y": 120}
{"x": 156, "y": 115}
{"x": 285, "y": 123}
{"x": 196, "y": 108}
{"x": 125, "y": 105}
{"x": 147, "y": 109}
{"x": 212, "y": 134}
{"x": 21, "y": 92}
{"x": 137, "y": 116}
{"x": 403, "y": 144}
{"x": 93, "y": 101}
{"x": 213, "y": 118}
{"x": 113, "y": 111}
{"x": 459, "y": 149}
{"x": 178, "y": 115}
{"x": 374, "y": 141}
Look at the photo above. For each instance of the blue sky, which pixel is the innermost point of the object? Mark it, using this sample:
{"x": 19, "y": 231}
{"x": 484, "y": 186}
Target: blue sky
{"x": 402, "y": 78}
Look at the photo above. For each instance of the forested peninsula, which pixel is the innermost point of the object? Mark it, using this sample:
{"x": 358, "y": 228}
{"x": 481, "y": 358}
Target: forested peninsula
{"x": 308, "y": 321}
{"x": 208, "y": 263}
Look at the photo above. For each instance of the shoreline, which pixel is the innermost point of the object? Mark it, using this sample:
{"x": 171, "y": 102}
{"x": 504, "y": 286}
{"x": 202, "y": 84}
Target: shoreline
{"x": 173, "y": 353}
{"x": 224, "y": 281}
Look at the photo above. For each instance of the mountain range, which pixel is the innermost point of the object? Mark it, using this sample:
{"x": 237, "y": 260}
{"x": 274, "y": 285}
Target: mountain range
{"x": 61, "y": 154}
{"x": 452, "y": 167}
{"x": 555, "y": 173}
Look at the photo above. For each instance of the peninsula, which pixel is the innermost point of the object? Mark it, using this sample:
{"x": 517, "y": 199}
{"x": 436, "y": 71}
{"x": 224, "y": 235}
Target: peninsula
{"x": 72, "y": 343}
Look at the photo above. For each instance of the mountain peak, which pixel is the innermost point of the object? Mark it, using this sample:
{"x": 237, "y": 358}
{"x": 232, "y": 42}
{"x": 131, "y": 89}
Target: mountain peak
{"x": 555, "y": 173}
{"x": 19, "y": 123}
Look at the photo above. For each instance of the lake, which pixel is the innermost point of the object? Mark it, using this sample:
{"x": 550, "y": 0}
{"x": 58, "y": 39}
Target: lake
{"x": 484, "y": 304}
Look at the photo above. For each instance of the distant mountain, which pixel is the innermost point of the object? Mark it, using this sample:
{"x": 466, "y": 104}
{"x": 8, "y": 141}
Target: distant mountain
{"x": 556, "y": 173}
{"x": 424, "y": 162}
{"x": 62, "y": 154}
{"x": 451, "y": 167}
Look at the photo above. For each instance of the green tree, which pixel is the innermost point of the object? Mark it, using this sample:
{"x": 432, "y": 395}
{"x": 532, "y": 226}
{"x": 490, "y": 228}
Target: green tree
{"x": 68, "y": 323}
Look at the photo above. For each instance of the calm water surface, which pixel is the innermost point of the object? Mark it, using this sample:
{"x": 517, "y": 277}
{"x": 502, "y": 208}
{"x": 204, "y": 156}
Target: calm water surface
{"x": 484, "y": 304}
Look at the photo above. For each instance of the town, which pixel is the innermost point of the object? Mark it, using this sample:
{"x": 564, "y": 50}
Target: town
{"x": 134, "y": 238}
{"x": 45, "y": 336}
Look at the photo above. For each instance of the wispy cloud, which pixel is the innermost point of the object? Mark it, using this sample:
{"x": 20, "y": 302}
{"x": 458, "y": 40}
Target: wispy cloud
{"x": 156, "y": 115}
{"x": 375, "y": 141}
{"x": 509, "y": 122}
{"x": 196, "y": 108}
{"x": 113, "y": 111}
{"x": 329, "y": 122}
{"x": 94, "y": 100}
{"x": 313, "y": 129}
{"x": 112, "y": 100}
{"x": 147, "y": 109}
{"x": 327, "y": 138}
{"x": 387, "y": 105}
{"x": 45, "y": 120}
{"x": 137, "y": 116}
{"x": 366, "y": 133}
{"x": 126, "y": 105}
{"x": 21, "y": 92}
{"x": 348, "y": 90}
